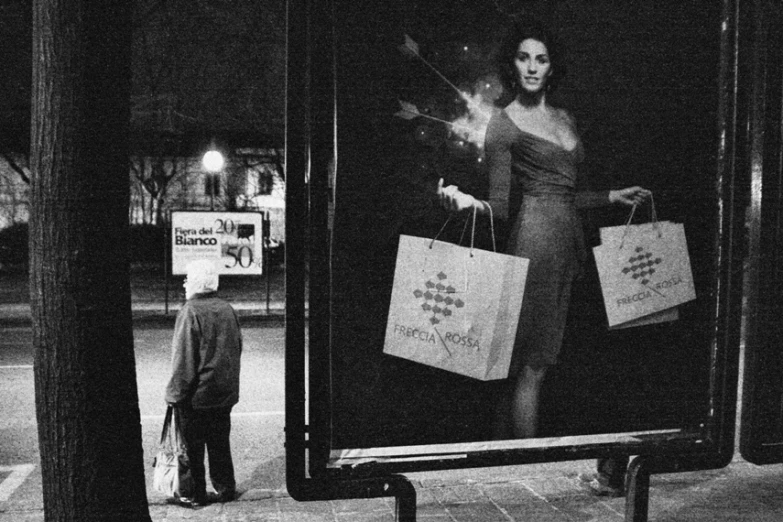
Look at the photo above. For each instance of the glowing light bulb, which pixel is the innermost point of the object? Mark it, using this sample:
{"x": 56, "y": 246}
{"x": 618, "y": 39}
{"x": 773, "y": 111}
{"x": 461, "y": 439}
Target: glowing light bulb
{"x": 213, "y": 161}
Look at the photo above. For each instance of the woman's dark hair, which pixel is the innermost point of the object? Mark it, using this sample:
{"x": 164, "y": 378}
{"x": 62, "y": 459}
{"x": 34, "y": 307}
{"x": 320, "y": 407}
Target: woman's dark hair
{"x": 517, "y": 32}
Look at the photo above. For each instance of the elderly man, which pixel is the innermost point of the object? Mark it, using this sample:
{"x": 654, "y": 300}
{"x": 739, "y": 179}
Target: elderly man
{"x": 204, "y": 385}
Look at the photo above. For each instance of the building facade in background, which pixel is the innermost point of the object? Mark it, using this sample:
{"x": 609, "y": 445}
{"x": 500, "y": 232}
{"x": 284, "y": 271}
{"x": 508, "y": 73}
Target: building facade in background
{"x": 251, "y": 181}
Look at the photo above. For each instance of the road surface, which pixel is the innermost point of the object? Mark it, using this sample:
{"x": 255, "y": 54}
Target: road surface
{"x": 258, "y": 419}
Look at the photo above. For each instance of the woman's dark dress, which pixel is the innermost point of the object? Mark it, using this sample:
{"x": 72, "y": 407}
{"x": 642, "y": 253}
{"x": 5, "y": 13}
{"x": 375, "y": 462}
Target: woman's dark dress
{"x": 533, "y": 185}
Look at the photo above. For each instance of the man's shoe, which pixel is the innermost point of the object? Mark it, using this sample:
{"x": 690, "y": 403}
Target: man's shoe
{"x": 187, "y": 502}
{"x": 225, "y": 496}
{"x": 599, "y": 486}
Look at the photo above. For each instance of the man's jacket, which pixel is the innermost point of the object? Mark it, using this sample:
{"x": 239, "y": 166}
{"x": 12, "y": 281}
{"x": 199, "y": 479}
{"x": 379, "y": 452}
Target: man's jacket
{"x": 206, "y": 349}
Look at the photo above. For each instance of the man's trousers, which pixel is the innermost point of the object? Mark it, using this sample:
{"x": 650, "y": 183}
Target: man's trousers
{"x": 209, "y": 429}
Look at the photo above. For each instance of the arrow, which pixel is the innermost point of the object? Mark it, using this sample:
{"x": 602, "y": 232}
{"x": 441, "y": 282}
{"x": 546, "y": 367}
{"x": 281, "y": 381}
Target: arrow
{"x": 410, "y": 111}
{"x": 411, "y": 48}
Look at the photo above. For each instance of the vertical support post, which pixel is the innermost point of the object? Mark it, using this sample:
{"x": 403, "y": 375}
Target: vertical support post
{"x": 265, "y": 232}
{"x": 166, "y": 247}
{"x": 405, "y": 504}
{"x": 637, "y": 500}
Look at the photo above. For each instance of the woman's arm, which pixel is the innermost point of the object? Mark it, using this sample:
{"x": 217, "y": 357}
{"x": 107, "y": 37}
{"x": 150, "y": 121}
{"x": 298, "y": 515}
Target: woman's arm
{"x": 628, "y": 196}
{"x": 498, "y": 160}
{"x": 585, "y": 197}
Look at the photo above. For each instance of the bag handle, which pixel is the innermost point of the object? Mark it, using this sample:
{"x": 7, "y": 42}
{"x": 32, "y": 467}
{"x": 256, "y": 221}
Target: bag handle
{"x": 473, "y": 229}
{"x": 179, "y": 437}
{"x": 653, "y": 219}
{"x": 164, "y": 434}
{"x": 172, "y": 417}
{"x": 440, "y": 231}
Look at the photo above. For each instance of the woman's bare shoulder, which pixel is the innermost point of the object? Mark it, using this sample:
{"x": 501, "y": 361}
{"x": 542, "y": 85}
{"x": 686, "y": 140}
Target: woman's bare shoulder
{"x": 499, "y": 120}
{"x": 564, "y": 116}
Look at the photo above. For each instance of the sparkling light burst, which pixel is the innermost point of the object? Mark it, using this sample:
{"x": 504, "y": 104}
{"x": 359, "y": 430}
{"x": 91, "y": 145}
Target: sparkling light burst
{"x": 471, "y": 126}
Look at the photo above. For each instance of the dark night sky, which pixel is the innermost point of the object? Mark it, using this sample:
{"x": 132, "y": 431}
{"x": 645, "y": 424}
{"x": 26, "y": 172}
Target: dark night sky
{"x": 219, "y": 64}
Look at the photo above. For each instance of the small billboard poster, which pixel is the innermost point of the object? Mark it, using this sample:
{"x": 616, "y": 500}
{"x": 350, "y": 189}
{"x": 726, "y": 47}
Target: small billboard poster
{"x": 233, "y": 239}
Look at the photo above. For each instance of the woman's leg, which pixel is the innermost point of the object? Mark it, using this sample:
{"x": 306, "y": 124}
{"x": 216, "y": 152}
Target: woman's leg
{"x": 524, "y": 401}
{"x": 501, "y": 424}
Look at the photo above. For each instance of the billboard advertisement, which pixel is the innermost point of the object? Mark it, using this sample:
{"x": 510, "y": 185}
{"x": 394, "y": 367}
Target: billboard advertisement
{"x": 233, "y": 239}
{"x": 529, "y": 248}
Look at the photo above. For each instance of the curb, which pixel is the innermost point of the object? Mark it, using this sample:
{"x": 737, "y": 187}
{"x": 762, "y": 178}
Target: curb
{"x": 152, "y": 315}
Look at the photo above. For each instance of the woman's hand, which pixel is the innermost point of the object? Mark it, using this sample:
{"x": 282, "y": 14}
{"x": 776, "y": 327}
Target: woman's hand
{"x": 629, "y": 196}
{"x": 452, "y": 199}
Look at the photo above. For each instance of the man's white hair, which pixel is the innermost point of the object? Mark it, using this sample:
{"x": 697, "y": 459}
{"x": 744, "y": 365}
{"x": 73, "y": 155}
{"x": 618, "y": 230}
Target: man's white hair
{"x": 202, "y": 276}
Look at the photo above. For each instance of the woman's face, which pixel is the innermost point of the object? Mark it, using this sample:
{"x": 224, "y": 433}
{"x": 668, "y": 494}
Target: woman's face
{"x": 533, "y": 65}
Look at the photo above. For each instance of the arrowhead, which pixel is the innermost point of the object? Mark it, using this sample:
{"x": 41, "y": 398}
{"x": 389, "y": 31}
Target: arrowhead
{"x": 409, "y": 111}
{"x": 410, "y": 47}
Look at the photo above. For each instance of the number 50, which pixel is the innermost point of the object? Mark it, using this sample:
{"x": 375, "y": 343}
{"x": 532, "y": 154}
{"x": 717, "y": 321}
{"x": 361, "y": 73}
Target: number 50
{"x": 242, "y": 256}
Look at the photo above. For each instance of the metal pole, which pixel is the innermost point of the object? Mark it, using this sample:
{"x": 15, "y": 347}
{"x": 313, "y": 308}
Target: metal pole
{"x": 166, "y": 246}
{"x": 637, "y": 499}
{"x": 265, "y": 250}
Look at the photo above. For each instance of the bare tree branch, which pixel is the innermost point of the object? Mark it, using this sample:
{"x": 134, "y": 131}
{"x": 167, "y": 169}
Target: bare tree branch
{"x": 15, "y": 166}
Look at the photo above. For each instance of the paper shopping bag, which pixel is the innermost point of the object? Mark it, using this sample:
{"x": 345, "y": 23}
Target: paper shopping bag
{"x": 647, "y": 272}
{"x": 616, "y": 235}
{"x": 455, "y": 308}
{"x": 664, "y": 316}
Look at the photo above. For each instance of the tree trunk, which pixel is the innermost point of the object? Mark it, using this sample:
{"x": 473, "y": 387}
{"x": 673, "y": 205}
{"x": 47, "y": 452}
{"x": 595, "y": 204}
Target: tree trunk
{"x": 89, "y": 426}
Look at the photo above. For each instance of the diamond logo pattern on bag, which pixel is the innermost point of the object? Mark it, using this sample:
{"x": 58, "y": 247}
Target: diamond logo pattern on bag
{"x": 642, "y": 265}
{"x": 438, "y": 299}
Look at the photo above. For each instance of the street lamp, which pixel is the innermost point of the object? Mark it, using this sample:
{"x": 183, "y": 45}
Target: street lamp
{"x": 213, "y": 161}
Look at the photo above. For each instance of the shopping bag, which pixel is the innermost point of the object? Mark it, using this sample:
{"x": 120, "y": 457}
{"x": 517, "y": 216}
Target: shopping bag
{"x": 172, "y": 469}
{"x": 455, "y": 308}
{"x": 664, "y": 316}
{"x": 615, "y": 236}
{"x": 647, "y": 271}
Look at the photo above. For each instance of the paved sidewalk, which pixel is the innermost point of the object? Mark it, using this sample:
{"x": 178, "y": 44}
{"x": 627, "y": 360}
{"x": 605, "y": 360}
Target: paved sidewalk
{"x": 536, "y": 492}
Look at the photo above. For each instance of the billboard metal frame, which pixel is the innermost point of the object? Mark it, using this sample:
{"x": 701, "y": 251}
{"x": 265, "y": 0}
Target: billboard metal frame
{"x": 310, "y": 147}
{"x": 761, "y": 439}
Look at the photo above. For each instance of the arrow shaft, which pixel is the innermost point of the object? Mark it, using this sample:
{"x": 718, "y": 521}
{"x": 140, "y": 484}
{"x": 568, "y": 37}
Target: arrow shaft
{"x": 429, "y": 117}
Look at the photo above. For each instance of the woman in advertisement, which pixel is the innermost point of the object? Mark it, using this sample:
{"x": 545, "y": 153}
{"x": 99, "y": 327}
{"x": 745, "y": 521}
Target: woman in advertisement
{"x": 533, "y": 154}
